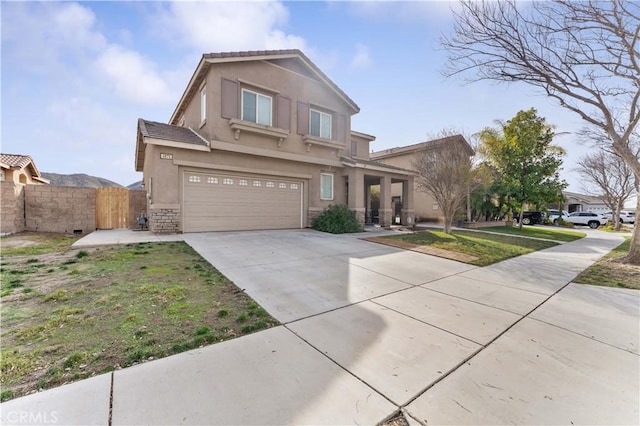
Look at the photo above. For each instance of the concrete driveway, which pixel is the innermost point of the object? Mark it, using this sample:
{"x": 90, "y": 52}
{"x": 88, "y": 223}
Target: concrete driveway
{"x": 369, "y": 329}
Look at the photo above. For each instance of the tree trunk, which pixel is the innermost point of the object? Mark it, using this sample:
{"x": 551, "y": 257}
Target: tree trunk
{"x": 634, "y": 251}
{"x": 520, "y": 218}
{"x": 615, "y": 218}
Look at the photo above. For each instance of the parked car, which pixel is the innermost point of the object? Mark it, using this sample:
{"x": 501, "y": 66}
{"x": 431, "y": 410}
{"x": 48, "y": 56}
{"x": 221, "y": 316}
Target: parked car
{"x": 625, "y": 216}
{"x": 592, "y": 220}
{"x": 529, "y": 218}
{"x": 554, "y": 215}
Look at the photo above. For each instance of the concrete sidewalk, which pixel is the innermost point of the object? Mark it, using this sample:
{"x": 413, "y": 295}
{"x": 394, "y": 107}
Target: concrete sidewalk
{"x": 368, "y": 330}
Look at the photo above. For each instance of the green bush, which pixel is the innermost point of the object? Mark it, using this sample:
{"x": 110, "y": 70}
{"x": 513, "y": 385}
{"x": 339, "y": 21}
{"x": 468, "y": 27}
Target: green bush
{"x": 337, "y": 219}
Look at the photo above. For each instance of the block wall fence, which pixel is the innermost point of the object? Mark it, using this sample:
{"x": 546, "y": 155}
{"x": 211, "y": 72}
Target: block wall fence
{"x": 59, "y": 209}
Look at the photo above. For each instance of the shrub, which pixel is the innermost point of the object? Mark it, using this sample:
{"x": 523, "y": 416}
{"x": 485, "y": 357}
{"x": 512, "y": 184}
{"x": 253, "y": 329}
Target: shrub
{"x": 337, "y": 219}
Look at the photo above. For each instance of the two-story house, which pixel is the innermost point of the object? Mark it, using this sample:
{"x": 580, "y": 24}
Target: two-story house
{"x": 260, "y": 140}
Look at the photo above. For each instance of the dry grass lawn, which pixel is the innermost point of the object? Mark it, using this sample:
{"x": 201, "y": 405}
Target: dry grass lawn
{"x": 69, "y": 314}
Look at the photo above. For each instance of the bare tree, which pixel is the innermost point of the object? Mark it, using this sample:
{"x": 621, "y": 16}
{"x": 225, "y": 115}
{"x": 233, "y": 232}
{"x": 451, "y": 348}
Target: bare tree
{"x": 584, "y": 54}
{"x": 445, "y": 171}
{"x": 612, "y": 179}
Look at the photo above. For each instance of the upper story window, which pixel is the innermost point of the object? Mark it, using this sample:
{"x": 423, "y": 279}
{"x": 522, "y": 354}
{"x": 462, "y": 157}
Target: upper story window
{"x": 203, "y": 103}
{"x": 256, "y": 107}
{"x": 319, "y": 124}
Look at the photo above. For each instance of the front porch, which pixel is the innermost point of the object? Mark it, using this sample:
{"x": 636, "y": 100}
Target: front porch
{"x": 370, "y": 195}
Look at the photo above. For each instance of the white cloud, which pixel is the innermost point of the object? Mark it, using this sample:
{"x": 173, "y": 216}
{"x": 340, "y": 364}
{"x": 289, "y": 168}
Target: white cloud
{"x": 38, "y": 36}
{"x": 134, "y": 77}
{"x": 225, "y": 26}
{"x": 361, "y": 59}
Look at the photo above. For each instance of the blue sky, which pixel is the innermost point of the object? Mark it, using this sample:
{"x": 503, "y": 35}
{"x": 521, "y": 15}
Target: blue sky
{"x": 76, "y": 76}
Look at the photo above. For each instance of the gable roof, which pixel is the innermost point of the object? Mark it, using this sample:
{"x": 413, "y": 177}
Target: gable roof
{"x": 166, "y": 135}
{"x": 410, "y": 149}
{"x": 19, "y": 162}
{"x": 585, "y": 198}
{"x": 208, "y": 59}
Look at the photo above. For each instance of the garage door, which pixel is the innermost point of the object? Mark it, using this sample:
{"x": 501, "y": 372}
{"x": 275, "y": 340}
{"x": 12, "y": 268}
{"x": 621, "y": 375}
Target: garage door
{"x": 218, "y": 202}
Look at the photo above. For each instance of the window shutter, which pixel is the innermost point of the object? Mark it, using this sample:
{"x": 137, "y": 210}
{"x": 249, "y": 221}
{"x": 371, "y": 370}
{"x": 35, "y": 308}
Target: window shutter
{"x": 341, "y": 127}
{"x": 283, "y": 118}
{"x": 303, "y": 118}
{"x": 229, "y": 99}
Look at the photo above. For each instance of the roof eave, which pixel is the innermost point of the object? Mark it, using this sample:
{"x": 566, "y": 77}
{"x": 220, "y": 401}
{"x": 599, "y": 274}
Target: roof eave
{"x": 195, "y": 77}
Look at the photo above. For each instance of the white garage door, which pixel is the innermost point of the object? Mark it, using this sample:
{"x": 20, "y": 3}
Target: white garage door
{"x": 218, "y": 202}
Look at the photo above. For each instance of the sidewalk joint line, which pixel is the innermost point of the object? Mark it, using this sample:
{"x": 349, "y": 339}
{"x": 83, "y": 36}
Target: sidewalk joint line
{"x": 483, "y": 347}
{"x": 343, "y": 368}
{"x": 110, "y": 422}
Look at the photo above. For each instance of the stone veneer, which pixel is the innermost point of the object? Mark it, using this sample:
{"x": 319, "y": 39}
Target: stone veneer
{"x": 385, "y": 217}
{"x": 164, "y": 221}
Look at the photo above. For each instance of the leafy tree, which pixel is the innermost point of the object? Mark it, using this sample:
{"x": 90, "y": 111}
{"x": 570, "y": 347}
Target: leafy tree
{"x": 583, "y": 54}
{"x": 446, "y": 173}
{"x": 525, "y": 158}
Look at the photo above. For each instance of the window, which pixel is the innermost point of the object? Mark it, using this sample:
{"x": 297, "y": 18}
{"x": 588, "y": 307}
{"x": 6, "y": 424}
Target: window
{"x": 256, "y": 107}
{"x": 203, "y": 103}
{"x": 194, "y": 179}
{"x": 227, "y": 181}
{"x": 282, "y": 185}
{"x": 294, "y": 186}
{"x": 212, "y": 180}
{"x": 326, "y": 186}
{"x": 271, "y": 185}
{"x": 257, "y": 183}
{"x": 243, "y": 182}
{"x": 320, "y": 124}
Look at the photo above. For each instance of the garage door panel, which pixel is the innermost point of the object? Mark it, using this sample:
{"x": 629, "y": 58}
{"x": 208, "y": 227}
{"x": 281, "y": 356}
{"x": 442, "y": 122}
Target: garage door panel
{"x": 217, "y": 202}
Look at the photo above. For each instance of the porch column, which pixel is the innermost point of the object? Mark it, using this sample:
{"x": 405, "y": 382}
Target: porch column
{"x": 356, "y": 199}
{"x": 407, "y": 214}
{"x": 385, "y": 213}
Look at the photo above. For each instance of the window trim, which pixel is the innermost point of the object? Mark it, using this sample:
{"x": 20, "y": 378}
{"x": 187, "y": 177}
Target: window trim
{"x": 330, "y": 175}
{"x": 321, "y": 113}
{"x": 203, "y": 104}
{"x": 257, "y": 94}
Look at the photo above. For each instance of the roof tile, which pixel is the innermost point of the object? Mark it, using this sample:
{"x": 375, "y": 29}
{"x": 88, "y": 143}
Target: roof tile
{"x": 153, "y": 129}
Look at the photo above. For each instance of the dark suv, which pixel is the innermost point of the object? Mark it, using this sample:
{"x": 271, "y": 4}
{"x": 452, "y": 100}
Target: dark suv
{"x": 529, "y": 218}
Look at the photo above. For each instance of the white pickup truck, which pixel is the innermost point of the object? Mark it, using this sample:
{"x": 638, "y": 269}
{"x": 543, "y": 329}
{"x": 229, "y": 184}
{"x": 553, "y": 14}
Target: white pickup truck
{"x": 592, "y": 220}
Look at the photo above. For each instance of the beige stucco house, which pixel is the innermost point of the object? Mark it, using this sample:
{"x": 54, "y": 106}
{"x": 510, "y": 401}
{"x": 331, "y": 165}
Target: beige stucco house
{"x": 425, "y": 207}
{"x": 260, "y": 140}
{"x": 20, "y": 169}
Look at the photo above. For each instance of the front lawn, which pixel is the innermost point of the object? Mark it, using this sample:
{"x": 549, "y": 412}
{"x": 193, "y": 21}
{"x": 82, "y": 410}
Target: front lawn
{"x": 70, "y": 314}
{"x": 555, "y": 234}
{"x": 487, "y": 247}
{"x": 609, "y": 271}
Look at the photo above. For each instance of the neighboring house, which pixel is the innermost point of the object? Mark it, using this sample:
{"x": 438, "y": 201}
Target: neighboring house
{"x": 20, "y": 169}
{"x": 260, "y": 140}
{"x": 425, "y": 206}
{"x": 575, "y": 202}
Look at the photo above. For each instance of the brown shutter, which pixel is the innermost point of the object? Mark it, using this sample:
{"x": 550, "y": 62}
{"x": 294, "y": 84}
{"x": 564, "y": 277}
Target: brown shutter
{"x": 229, "y": 99}
{"x": 283, "y": 118}
{"x": 341, "y": 127}
{"x": 303, "y": 118}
